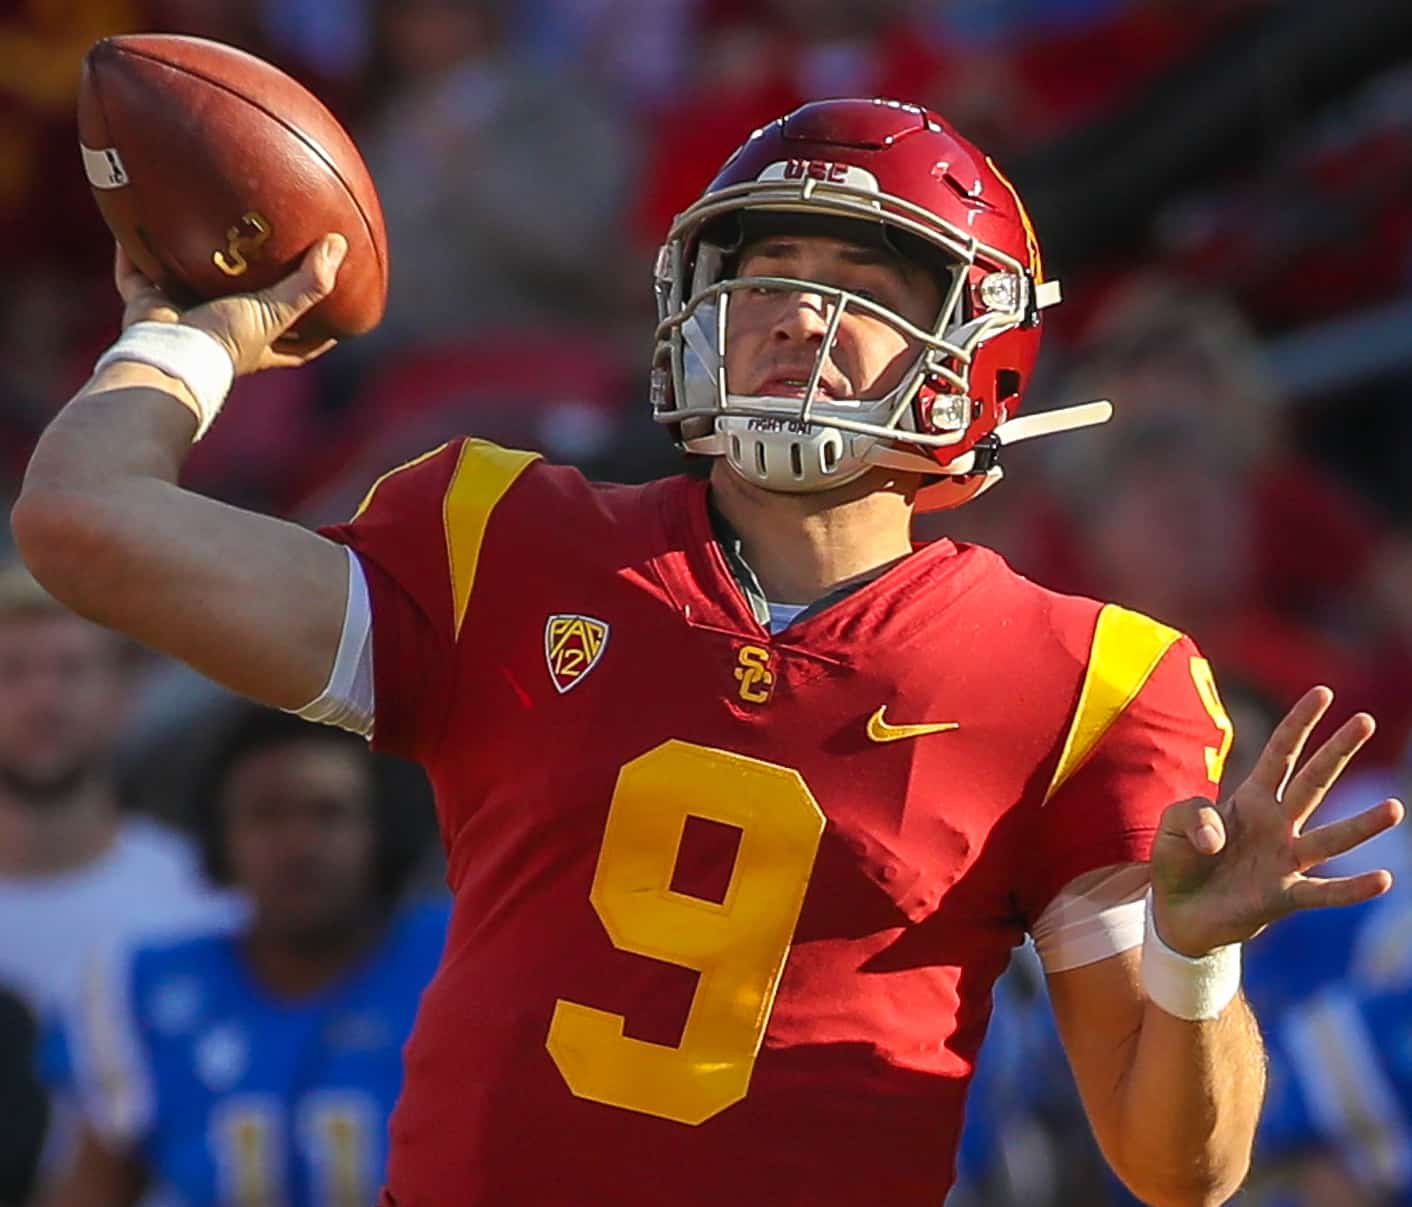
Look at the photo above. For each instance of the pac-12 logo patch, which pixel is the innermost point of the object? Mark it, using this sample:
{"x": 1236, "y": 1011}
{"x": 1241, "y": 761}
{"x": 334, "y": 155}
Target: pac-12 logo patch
{"x": 573, "y": 645}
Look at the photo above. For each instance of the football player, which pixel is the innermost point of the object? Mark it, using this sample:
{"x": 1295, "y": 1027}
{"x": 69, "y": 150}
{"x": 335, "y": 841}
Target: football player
{"x": 745, "y": 798}
{"x": 259, "y": 1065}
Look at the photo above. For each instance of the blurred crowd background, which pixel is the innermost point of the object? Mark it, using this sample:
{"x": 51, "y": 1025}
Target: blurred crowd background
{"x": 1224, "y": 188}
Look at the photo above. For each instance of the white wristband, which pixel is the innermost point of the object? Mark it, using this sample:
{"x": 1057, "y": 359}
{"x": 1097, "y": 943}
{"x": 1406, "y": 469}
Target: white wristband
{"x": 192, "y": 356}
{"x": 1188, "y": 988}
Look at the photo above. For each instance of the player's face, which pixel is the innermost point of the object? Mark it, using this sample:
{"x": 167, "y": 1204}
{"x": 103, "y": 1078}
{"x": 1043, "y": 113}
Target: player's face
{"x": 61, "y": 693}
{"x": 301, "y": 836}
{"x": 773, "y": 336}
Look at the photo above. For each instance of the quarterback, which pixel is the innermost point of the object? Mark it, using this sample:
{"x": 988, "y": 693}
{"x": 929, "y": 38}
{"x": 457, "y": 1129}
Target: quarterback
{"x": 745, "y": 798}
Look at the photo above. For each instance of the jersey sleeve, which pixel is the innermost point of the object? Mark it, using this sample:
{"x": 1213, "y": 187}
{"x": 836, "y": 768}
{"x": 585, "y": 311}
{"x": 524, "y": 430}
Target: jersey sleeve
{"x": 418, "y": 537}
{"x": 111, "y": 1065}
{"x": 1148, "y": 730}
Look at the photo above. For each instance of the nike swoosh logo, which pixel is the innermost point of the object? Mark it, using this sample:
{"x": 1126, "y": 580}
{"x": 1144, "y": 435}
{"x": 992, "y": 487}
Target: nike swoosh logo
{"x": 880, "y": 731}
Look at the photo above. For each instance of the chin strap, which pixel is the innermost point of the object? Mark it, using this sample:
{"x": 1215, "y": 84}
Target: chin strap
{"x": 1026, "y": 427}
{"x": 984, "y": 457}
{"x": 1065, "y": 419}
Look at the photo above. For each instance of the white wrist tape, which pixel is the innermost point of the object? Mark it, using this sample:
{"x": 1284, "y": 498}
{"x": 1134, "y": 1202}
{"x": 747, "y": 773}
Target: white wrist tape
{"x": 1188, "y": 988}
{"x": 193, "y": 357}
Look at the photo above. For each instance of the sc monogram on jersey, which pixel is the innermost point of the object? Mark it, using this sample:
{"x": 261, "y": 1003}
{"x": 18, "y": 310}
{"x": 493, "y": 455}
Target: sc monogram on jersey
{"x": 757, "y": 680}
{"x": 573, "y": 644}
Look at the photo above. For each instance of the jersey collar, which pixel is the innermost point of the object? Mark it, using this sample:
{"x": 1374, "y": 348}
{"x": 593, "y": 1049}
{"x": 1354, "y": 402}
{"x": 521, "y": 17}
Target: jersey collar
{"x": 733, "y": 553}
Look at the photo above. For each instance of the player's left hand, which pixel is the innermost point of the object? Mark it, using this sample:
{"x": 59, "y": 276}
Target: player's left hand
{"x": 1222, "y": 873}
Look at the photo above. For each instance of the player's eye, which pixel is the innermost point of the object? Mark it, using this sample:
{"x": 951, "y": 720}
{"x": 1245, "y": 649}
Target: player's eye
{"x": 761, "y": 291}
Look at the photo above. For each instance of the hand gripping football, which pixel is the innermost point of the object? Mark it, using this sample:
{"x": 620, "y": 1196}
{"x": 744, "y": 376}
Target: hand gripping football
{"x": 216, "y": 172}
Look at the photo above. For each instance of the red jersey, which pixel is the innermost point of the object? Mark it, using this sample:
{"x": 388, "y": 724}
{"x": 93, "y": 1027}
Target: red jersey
{"x": 728, "y": 904}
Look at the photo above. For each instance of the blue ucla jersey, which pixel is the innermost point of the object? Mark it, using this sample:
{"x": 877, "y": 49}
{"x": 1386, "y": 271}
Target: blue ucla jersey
{"x": 231, "y": 1096}
{"x": 1341, "y": 1078}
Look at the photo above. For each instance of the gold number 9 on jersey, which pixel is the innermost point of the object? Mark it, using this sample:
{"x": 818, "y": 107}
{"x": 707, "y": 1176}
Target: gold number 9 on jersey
{"x": 738, "y": 946}
{"x": 1205, "y": 680}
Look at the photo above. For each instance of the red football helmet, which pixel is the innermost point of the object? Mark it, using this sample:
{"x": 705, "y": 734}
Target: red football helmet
{"x": 871, "y": 171}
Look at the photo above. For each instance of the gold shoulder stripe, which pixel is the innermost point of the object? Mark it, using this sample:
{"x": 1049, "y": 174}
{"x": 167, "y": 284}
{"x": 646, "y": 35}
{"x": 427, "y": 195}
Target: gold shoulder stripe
{"x": 484, "y": 472}
{"x": 368, "y": 498}
{"x": 1126, "y": 649}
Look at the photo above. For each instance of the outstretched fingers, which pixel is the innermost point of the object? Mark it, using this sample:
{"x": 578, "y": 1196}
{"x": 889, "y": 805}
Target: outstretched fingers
{"x": 1286, "y": 744}
{"x": 1311, "y": 782}
{"x": 1337, "y": 838}
{"x": 1309, "y": 892}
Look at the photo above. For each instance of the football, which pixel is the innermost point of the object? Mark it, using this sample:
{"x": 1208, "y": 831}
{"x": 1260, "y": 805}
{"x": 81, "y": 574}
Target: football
{"x": 216, "y": 171}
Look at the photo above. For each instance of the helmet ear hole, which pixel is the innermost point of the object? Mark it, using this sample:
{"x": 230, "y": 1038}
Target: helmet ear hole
{"x": 1007, "y": 384}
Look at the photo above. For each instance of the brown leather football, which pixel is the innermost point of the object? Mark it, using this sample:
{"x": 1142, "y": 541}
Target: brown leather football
{"x": 216, "y": 172}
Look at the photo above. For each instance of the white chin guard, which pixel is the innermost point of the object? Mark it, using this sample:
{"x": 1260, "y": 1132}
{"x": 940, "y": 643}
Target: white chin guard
{"x": 784, "y": 454}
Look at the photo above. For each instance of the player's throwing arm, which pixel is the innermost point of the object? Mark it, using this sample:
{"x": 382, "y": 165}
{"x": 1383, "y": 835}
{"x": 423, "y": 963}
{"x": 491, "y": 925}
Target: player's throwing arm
{"x": 253, "y": 602}
{"x": 250, "y": 601}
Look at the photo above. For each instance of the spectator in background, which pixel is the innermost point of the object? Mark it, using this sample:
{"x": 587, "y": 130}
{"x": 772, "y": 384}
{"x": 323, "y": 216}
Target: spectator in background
{"x": 1166, "y": 352}
{"x": 75, "y": 872}
{"x": 260, "y": 1066}
{"x": 77, "y": 875}
{"x": 501, "y": 183}
{"x": 1284, "y": 563}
